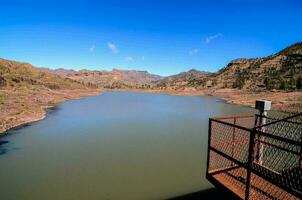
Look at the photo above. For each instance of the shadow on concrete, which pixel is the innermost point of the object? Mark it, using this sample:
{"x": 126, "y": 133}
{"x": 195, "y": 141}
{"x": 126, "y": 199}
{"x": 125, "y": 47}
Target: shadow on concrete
{"x": 211, "y": 194}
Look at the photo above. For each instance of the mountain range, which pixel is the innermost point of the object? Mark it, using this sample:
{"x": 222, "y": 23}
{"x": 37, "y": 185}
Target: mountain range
{"x": 280, "y": 71}
{"x": 25, "y": 90}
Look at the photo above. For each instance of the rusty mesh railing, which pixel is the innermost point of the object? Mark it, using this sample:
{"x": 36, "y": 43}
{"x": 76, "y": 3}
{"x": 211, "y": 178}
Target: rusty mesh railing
{"x": 256, "y": 157}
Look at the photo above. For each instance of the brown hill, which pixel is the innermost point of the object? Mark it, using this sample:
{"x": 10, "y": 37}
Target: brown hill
{"x": 110, "y": 79}
{"x": 190, "y": 78}
{"x": 281, "y": 71}
{"x": 25, "y": 92}
{"x": 23, "y": 75}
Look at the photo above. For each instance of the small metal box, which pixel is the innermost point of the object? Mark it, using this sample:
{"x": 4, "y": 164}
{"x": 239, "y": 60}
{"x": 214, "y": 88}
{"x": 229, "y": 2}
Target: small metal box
{"x": 263, "y": 105}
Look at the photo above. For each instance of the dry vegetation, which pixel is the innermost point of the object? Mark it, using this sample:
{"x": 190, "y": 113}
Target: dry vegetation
{"x": 25, "y": 91}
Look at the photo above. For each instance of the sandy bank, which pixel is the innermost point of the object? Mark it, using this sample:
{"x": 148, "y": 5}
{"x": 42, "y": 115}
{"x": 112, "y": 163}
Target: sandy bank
{"x": 20, "y": 107}
{"x": 281, "y": 101}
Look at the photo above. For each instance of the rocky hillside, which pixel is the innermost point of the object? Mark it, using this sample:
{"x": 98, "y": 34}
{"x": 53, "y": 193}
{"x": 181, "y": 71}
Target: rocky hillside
{"x": 281, "y": 71}
{"x": 18, "y": 75}
{"x": 25, "y": 92}
{"x": 110, "y": 79}
{"x": 191, "y": 78}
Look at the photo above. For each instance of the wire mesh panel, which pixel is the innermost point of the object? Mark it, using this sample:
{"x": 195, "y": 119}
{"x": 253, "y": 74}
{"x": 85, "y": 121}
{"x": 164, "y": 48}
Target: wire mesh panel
{"x": 280, "y": 162}
{"x": 256, "y": 160}
{"x": 231, "y": 175}
{"x": 262, "y": 189}
{"x": 232, "y": 141}
{"x": 290, "y": 127}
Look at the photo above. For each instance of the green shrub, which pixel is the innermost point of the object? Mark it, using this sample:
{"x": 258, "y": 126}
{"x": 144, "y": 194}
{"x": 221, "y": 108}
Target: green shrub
{"x": 239, "y": 83}
{"x": 284, "y": 85}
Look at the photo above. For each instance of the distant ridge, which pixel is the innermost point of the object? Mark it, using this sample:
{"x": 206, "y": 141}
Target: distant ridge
{"x": 115, "y": 78}
{"x": 280, "y": 71}
{"x": 15, "y": 74}
{"x": 25, "y": 90}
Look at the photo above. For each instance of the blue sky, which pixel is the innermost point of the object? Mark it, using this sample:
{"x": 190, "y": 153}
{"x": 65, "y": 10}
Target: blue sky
{"x": 163, "y": 37}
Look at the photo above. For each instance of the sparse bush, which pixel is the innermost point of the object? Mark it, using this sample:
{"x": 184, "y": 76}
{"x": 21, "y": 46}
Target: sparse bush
{"x": 1, "y": 99}
{"x": 284, "y": 85}
{"x": 2, "y": 82}
{"x": 239, "y": 83}
{"x": 299, "y": 83}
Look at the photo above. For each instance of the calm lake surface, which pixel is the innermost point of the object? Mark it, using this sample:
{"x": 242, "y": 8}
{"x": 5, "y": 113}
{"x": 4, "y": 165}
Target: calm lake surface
{"x": 118, "y": 145}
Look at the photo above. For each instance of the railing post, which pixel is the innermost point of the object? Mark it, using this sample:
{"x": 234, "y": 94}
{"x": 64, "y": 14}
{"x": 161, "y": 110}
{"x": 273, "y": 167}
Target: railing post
{"x": 263, "y": 106}
{"x": 233, "y": 139}
{"x": 209, "y": 143}
{"x": 261, "y": 138}
{"x": 249, "y": 163}
{"x": 300, "y": 160}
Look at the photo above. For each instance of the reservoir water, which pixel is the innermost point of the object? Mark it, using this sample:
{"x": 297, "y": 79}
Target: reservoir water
{"x": 118, "y": 145}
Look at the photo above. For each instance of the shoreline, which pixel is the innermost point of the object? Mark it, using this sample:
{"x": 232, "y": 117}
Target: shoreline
{"x": 227, "y": 96}
{"x": 281, "y": 100}
{"x": 21, "y": 125}
{"x": 45, "y": 110}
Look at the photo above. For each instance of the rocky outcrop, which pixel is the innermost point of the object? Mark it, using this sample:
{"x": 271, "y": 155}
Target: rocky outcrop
{"x": 110, "y": 79}
{"x": 25, "y": 92}
{"x": 281, "y": 71}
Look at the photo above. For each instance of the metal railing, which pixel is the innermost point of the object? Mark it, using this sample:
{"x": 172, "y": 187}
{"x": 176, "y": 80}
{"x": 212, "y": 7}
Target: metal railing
{"x": 254, "y": 160}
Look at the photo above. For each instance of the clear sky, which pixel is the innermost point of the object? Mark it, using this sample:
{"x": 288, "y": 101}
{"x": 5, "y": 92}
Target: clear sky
{"x": 163, "y": 37}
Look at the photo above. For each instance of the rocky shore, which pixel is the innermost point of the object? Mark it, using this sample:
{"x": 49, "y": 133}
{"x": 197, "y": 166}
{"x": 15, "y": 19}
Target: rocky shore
{"x": 19, "y": 107}
{"x": 281, "y": 100}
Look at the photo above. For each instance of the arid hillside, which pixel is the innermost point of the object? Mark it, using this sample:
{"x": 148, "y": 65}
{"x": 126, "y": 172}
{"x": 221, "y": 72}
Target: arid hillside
{"x": 190, "y": 78}
{"x": 115, "y": 79}
{"x": 26, "y": 91}
{"x": 18, "y": 75}
{"x": 277, "y": 78}
{"x": 281, "y": 71}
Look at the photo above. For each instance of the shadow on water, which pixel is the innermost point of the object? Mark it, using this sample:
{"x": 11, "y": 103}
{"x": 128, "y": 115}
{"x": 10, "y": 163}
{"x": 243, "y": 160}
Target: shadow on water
{"x": 3, "y": 150}
{"x": 212, "y": 193}
{"x": 14, "y": 130}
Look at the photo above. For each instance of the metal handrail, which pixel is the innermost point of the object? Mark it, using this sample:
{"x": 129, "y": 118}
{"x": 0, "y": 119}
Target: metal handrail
{"x": 250, "y": 165}
{"x": 279, "y": 120}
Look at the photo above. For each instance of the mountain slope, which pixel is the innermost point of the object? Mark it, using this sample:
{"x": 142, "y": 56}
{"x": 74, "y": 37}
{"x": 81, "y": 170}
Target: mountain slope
{"x": 110, "y": 79}
{"x": 191, "y": 78}
{"x": 281, "y": 71}
{"x": 25, "y": 92}
{"x": 23, "y": 75}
